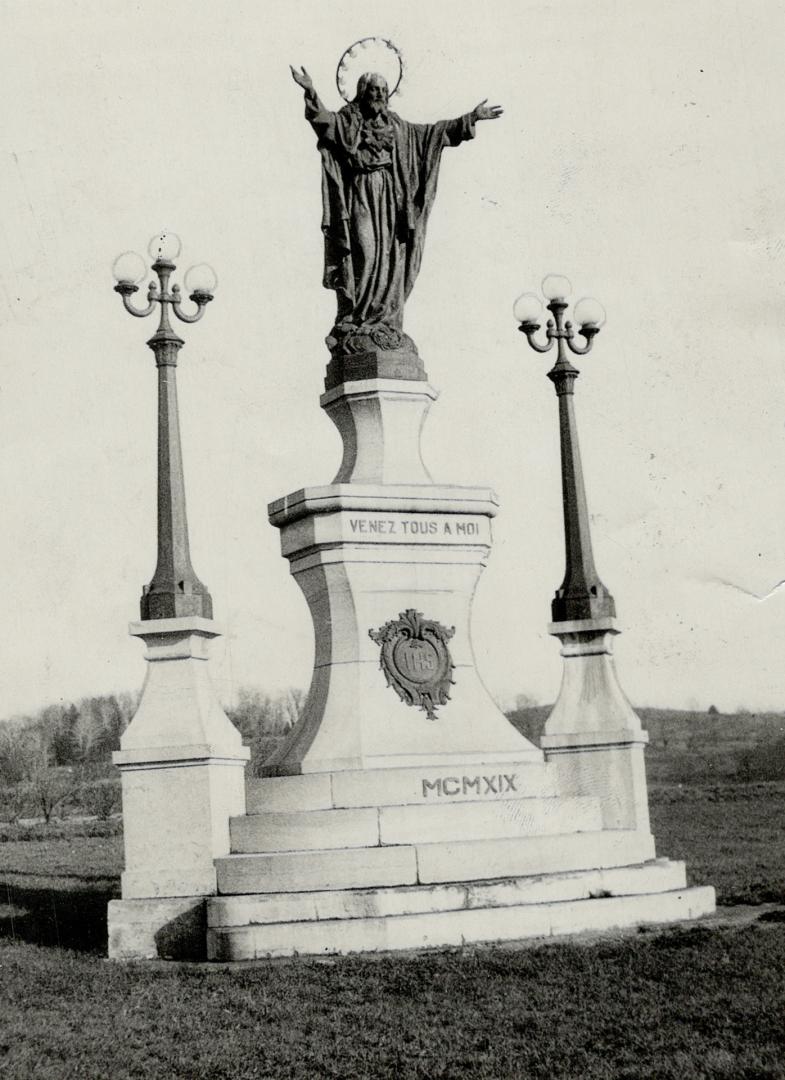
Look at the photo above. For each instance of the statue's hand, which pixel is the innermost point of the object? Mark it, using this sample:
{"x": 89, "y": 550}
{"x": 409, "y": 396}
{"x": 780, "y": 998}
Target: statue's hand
{"x": 485, "y": 112}
{"x": 302, "y": 78}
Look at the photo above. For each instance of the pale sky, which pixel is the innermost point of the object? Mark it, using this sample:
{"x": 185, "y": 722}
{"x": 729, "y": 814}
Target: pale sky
{"x": 641, "y": 153}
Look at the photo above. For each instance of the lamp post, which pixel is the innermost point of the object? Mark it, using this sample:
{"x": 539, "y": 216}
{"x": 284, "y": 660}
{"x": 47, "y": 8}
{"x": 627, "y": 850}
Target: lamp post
{"x": 592, "y": 735}
{"x": 181, "y": 759}
{"x": 175, "y": 590}
{"x": 582, "y": 594}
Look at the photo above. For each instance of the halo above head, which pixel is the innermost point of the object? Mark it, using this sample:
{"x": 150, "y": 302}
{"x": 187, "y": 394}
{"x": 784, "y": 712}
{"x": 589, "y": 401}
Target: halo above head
{"x": 375, "y": 54}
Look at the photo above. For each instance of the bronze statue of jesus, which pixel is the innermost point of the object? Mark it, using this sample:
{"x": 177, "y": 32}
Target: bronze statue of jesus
{"x": 379, "y": 176}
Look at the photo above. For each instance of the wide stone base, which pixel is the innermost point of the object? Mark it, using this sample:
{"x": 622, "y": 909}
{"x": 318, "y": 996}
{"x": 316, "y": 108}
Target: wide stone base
{"x": 372, "y": 920}
{"x": 413, "y": 858}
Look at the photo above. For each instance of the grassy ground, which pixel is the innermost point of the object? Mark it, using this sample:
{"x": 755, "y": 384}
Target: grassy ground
{"x": 688, "y": 1003}
{"x": 55, "y": 892}
{"x": 732, "y": 836}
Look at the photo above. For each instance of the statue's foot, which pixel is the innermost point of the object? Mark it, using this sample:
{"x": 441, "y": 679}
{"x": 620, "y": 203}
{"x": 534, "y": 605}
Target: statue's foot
{"x": 348, "y": 338}
{"x": 371, "y": 351}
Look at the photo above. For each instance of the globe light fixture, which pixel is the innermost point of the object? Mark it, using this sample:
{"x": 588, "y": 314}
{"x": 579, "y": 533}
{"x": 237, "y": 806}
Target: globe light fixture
{"x": 201, "y": 279}
{"x": 129, "y": 268}
{"x": 589, "y": 312}
{"x": 528, "y": 309}
{"x": 556, "y": 287}
{"x": 165, "y": 245}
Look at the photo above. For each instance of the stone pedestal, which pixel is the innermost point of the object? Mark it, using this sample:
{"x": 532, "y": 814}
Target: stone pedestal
{"x": 379, "y": 541}
{"x": 380, "y": 421}
{"x": 384, "y": 825}
{"x": 404, "y": 810}
{"x": 363, "y": 554}
{"x": 593, "y": 736}
{"x": 182, "y": 766}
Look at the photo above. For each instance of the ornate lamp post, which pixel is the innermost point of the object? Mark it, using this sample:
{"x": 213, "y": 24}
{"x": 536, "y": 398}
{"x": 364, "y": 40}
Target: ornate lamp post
{"x": 181, "y": 760}
{"x": 593, "y": 735}
{"x": 581, "y": 595}
{"x": 175, "y": 590}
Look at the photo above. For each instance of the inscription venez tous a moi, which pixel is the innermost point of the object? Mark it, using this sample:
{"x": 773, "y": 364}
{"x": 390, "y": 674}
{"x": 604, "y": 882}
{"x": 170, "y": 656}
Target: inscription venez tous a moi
{"x": 496, "y": 784}
{"x": 366, "y": 526}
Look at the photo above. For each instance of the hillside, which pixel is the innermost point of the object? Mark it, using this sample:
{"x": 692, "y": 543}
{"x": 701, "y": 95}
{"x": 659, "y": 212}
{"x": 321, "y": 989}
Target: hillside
{"x": 685, "y": 746}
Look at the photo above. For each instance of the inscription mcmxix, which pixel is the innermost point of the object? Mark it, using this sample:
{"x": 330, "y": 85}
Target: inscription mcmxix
{"x": 497, "y": 784}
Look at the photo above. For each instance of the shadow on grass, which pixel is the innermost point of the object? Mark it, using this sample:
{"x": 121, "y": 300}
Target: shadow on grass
{"x": 777, "y": 916}
{"x": 68, "y": 918}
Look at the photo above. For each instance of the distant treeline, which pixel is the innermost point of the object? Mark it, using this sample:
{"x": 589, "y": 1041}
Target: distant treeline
{"x": 264, "y": 719}
{"x": 84, "y": 734}
{"x": 58, "y": 759}
{"x": 74, "y": 733}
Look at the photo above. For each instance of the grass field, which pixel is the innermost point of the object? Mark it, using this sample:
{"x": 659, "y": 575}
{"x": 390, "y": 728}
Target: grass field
{"x": 685, "y": 1003}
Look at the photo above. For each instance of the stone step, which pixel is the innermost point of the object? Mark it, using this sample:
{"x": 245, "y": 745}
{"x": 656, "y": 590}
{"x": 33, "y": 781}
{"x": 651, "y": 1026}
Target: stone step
{"x": 519, "y": 857}
{"x": 344, "y": 868}
{"x": 393, "y": 825}
{"x": 488, "y": 821}
{"x": 357, "y": 868}
{"x": 304, "y": 831}
{"x": 659, "y": 875}
{"x": 449, "y": 783}
{"x": 459, "y": 927}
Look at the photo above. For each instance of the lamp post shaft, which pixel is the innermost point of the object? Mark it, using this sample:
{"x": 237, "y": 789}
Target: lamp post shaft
{"x": 175, "y": 590}
{"x": 582, "y": 594}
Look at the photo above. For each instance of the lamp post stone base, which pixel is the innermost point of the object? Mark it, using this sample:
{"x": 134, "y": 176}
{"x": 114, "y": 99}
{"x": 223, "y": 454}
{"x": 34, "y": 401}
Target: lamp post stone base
{"x": 182, "y": 768}
{"x": 593, "y": 736}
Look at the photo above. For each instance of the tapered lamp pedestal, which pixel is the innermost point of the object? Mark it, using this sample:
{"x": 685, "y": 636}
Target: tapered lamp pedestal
{"x": 182, "y": 767}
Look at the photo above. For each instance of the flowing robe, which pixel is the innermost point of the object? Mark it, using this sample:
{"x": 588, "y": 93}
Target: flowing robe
{"x": 378, "y": 185}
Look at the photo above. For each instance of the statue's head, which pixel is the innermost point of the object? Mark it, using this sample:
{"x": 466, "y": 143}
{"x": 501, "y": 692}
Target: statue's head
{"x": 372, "y": 94}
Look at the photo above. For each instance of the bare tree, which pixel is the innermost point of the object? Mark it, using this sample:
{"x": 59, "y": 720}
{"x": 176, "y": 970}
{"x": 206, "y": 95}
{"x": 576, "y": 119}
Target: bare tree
{"x": 14, "y": 801}
{"x": 100, "y": 798}
{"x": 50, "y": 787}
{"x": 18, "y": 750}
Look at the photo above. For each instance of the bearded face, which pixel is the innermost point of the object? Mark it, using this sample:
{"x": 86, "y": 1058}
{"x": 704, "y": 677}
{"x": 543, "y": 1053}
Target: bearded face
{"x": 372, "y": 95}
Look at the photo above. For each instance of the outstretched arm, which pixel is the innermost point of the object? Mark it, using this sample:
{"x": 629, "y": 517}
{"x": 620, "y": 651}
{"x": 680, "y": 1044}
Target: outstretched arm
{"x": 484, "y": 111}
{"x": 302, "y": 78}
{"x": 320, "y": 118}
{"x": 312, "y": 102}
{"x": 457, "y": 131}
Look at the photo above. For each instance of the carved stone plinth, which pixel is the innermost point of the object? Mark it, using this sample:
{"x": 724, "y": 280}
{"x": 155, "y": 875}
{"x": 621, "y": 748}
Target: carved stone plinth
{"x": 388, "y": 562}
{"x": 380, "y": 423}
{"x": 182, "y": 766}
{"x": 593, "y": 735}
{"x": 364, "y": 555}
